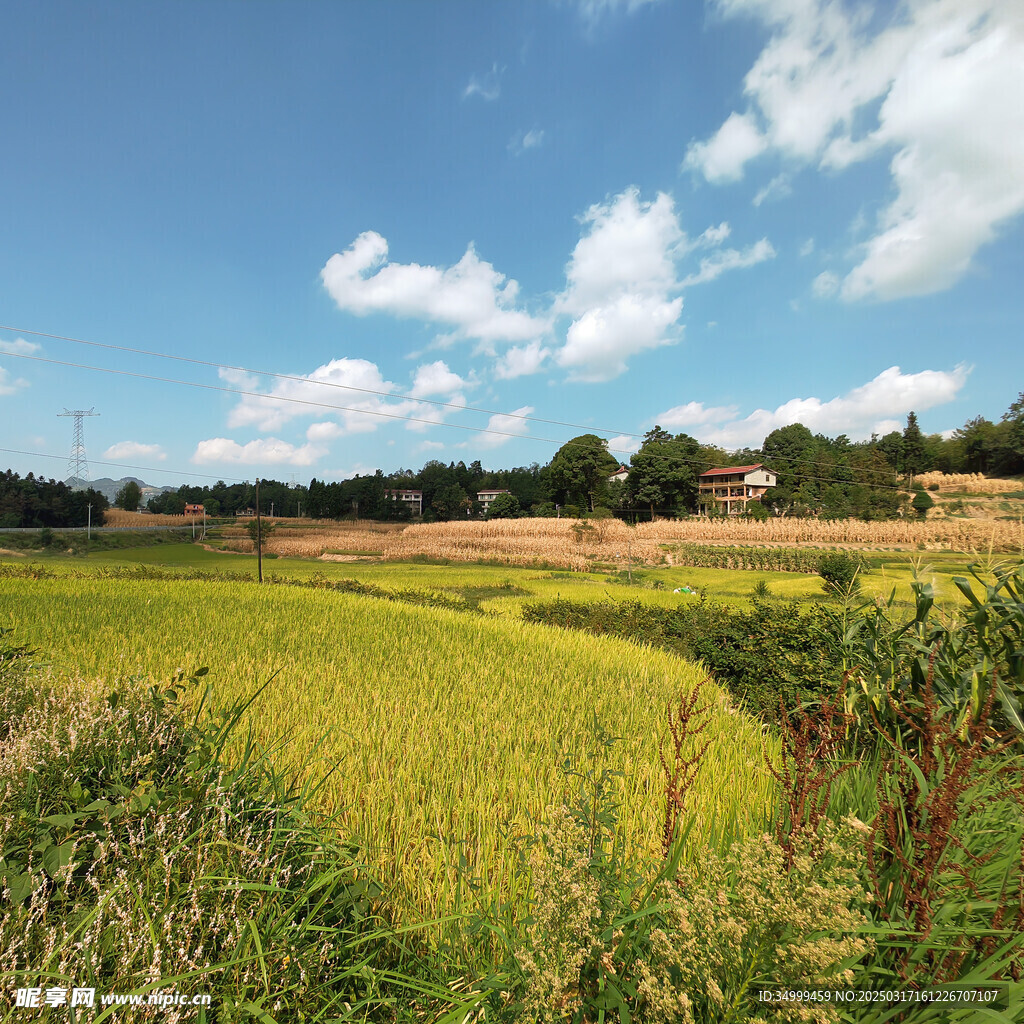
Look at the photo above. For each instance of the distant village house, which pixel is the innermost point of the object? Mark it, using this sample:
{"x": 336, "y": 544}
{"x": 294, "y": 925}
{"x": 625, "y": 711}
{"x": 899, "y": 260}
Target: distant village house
{"x": 414, "y": 499}
{"x": 486, "y": 497}
{"x": 195, "y": 510}
{"x": 620, "y": 474}
{"x": 732, "y": 487}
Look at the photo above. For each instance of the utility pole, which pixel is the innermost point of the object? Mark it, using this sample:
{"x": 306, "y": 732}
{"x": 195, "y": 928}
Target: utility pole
{"x": 88, "y": 529}
{"x": 271, "y": 510}
{"x": 299, "y": 516}
{"x": 259, "y": 534}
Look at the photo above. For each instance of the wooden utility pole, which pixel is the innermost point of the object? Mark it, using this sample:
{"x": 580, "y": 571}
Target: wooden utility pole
{"x": 259, "y": 534}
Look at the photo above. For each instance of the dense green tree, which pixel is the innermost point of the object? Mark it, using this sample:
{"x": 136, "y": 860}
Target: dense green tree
{"x": 129, "y": 496}
{"x": 663, "y": 473}
{"x": 915, "y": 457}
{"x": 504, "y": 506}
{"x": 922, "y": 502}
{"x": 580, "y": 470}
{"x": 451, "y": 502}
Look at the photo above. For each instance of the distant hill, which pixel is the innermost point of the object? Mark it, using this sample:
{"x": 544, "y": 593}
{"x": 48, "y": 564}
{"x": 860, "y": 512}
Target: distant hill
{"x": 109, "y": 488}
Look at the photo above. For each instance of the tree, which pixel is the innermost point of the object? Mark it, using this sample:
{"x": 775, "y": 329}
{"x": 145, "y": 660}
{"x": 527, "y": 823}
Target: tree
{"x": 915, "y": 457}
{"x": 504, "y": 506}
{"x": 451, "y": 503}
{"x": 129, "y": 496}
{"x": 580, "y": 469}
{"x": 663, "y": 473}
{"x": 922, "y": 502}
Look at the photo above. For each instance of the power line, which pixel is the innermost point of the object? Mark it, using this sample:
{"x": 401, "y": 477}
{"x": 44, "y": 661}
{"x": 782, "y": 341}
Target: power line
{"x": 351, "y": 387}
{"x": 386, "y": 415}
{"x": 321, "y": 383}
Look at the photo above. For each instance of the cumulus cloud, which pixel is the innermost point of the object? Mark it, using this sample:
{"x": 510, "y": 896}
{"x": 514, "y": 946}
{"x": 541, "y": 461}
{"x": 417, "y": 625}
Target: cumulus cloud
{"x": 872, "y": 407}
{"x": 326, "y": 385}
{"x": 263, "y": 451}
{"x": 621, "y": 282}
{"x": 624, "y": 444}
{"x": 939, "y": 89}
{"x": 694, "y": 414}
{"x": 730, "y": 259}
{"x": 18, "y": 347}
{"x": 722, "y": 158}
{"x": 471, "y": 297}
{"x": 9, "y": 385}
{"x": 487, "y": 86}
{"x": 521, "y": 360}
{"x": 135, "y": 450}
{"x": 825, "y": 284}
{"x": 434, "y": 379}
{"x": 504, "y": 424}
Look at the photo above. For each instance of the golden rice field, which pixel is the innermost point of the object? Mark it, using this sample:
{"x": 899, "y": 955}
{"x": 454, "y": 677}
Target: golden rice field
{"x": 968, "y": 483}
{"x": 440, "y": 727}
{"x": 555, "y": 542}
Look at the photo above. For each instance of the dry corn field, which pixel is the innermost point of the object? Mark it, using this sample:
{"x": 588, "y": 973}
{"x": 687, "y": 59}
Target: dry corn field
{"x": 968, "y": 483}
{"x": 562, "y": 543}
{"x": 118, "y": 517}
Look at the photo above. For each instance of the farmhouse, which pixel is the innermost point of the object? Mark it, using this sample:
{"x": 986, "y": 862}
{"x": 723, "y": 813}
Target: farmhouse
{"x": 620, "y": 474}
{"x": 731, "y": 487}
{"x": 486, "y": 497}
{"x": 414, "y": 499}
{"x": 195, "y": 510}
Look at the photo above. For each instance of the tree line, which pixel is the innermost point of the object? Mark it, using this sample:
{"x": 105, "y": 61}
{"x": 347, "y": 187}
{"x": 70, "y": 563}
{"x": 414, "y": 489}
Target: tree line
{"x": 816, "y": 475}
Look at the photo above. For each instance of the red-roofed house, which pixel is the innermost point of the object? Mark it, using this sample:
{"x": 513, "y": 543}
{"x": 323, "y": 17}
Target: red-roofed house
{"x": 733, "y": 486}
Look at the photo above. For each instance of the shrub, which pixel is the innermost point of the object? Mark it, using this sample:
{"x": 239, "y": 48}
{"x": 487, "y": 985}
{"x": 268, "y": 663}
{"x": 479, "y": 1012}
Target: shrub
{"x": 838, "y": 571}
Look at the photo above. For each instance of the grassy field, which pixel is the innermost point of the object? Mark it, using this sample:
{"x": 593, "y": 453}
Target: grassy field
{"x": 440, "y": 727}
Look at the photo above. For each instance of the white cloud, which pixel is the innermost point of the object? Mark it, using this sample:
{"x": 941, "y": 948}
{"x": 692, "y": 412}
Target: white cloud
{"x": 730, "y": 259}
{"x": 872, "y": 407}
{"x": 621, "y": 280}
{"x": 592, "y": 11}
{"x": 826, "y": 284}
{"x": 429, "y": 446}
{"x": 723, "y": 157}
{"x": 487, "y": 86}
{"x": 521, "y": 360}
{"x": 715, "y": 235}
{"x": 807, "y": 248}
{"x": 940, "y": 86}
{"x": 505, "y": 423}
{"x": 9, "y": 386}
{"x": 19, "y": 347}
{"x": 471, "y": 297}
{"x": 436, "y": 379}
{"x": 522, "y": 141}
{"x": 326, "y": 430}
{"x": 264, "y": 451}
{"x": 599, "y": 342}
{"x": 778, "y": 188}
{"x": 326, "y": 385}
{"x": 694, "y": 414}
{"x": 624, "y": 444}
{"x": 135, "y": 450}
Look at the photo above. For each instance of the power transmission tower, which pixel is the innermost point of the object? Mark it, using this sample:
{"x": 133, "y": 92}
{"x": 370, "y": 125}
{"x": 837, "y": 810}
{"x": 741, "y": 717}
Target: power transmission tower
{"x": 78, "y": 466}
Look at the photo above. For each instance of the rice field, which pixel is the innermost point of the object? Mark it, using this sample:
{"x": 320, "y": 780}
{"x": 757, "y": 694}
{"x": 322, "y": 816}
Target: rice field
{"x": 438, "y": 728}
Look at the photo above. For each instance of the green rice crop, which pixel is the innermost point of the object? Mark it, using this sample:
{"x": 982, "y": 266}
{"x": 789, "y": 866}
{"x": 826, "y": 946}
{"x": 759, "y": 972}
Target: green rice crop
{"x": 437, "y": 728}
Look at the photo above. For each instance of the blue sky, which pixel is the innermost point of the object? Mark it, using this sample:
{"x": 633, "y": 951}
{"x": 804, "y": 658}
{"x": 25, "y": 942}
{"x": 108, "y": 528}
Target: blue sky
{"x": 605, "y": 213}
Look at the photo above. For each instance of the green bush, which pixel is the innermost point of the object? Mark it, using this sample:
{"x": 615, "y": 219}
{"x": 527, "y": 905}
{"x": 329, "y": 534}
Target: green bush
{"x": 838, "y": 571}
